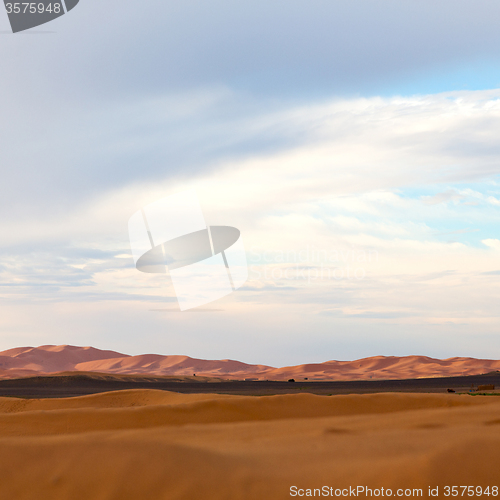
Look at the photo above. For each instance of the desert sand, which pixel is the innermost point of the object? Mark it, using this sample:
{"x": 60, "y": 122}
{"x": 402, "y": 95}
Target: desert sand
{"x": 148, "y": 444}
{"x": 29, "y": 361}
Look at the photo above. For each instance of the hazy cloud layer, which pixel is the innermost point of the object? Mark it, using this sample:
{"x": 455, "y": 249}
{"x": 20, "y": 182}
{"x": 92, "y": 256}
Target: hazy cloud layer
{"x": 119, "y": 93}
{"x": 384, "y": 214}
{"x": 370, "y": 219}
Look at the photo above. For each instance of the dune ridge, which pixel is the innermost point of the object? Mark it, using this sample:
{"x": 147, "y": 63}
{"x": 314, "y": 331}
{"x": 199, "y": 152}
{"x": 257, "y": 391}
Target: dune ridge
{"x": 149, "y": 408}
{"x": 29, "y": 361}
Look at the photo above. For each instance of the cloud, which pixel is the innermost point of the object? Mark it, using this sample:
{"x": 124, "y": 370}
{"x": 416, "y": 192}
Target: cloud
{"x": 176, "y": 93}
{"x": 311, "y": 127}
{"x": 344, "y": 176}
{"x": 346, "y": 183}
{"x": 271, "y": 48}
{"x": 449, "y": 195}
{"x": 492, "y": 243}
{"x": 493, "y": 201}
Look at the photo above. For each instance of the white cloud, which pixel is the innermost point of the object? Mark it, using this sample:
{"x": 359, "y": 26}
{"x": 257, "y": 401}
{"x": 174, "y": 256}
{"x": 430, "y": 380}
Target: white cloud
{"x": 448, "y": 195}
{"x": 492, "y": 243}
{"x": 493, "y": 201}
{"x": 342, "y": 188}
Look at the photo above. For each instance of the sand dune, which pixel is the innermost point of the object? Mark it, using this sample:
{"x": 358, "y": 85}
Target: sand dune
{"x": 48, "y": 359}
{"x": 26, "y": 361}
{"x": 142, "y": 409}
{"x": 389, "y": 367}
{"x": 172, "y": 365}
{"x": 159, "y": 445}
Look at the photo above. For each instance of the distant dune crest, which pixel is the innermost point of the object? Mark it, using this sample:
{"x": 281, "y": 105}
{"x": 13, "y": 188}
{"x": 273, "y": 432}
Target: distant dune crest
{"x": 29, "y": 361}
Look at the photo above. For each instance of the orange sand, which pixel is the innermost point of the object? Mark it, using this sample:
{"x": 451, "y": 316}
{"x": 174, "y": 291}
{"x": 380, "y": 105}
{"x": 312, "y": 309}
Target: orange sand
{"x": 146, "y": 444}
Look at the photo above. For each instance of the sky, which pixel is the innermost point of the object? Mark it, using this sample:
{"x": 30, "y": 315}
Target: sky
{"x": 354, "y": 145}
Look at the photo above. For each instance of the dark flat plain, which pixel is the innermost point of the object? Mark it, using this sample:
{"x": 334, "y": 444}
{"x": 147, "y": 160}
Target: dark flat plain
{"x": 80, "y": 384}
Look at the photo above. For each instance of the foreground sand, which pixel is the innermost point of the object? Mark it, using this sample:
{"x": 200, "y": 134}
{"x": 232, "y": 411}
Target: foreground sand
{"x": 144, "y": 444}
